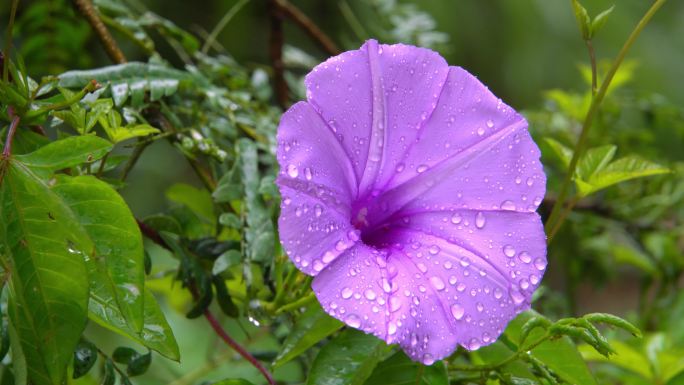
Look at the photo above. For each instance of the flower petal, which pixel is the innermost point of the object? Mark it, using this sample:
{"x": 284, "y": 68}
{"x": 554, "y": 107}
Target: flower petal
{"x": 355, "y": 288}
{"x": 462, "y": 276}
{"x": 484, "y": 159}
{"x": 376, "y": 99}
{"x": 316, "y": 187}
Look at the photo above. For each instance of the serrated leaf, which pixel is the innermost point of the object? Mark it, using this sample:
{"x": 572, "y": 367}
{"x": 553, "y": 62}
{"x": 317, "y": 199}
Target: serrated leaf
{"x": 64, "y": 153}
{"x": 348, "y": 359}
{"x": 624, "y": 169}
{"x": 118, "y": 242}
{"x": 259, "y": 234}
{"x": 400, "y": 370}
{"x": 560, "y": 354}
{"x": 311, "y": 327}
{"x": 45, "y": 247}
{"x": 132, "y": 79}
{"x": 594, "y": 160}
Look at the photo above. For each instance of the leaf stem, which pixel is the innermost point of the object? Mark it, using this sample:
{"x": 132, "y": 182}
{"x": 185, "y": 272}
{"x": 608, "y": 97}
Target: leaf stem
{"x": 301, "y": 302}
{"x": 591, "y": 114}
{"x": 8, "y": 42}
{"x": 86, "y": 8}
{"x": 521, "y": 351}
{"x": 276, "y": 41}
{"x": 294, "y": 13}
{"x": 592, "y": 60}
{"x": 209, "y": 42}
{"x": 90, "y": 87}
{"x": 7, "y": 150}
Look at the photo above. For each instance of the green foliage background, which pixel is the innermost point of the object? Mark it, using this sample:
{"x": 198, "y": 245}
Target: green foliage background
{"x": 161, "y": 207}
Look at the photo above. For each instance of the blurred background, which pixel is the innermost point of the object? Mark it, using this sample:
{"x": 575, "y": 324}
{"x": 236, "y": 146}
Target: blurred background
{"x": 621, "y": 252}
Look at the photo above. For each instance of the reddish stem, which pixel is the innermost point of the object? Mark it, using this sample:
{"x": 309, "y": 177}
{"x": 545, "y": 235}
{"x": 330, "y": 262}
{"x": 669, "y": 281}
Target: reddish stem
{"x": 303, "y": 21}
{"x": 10, "y": 132}
{"x": 154, "y": 236}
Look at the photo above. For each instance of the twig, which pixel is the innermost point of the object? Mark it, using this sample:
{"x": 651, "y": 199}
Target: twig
{"x": 592, "y": 60}
{"x": 90, "y": 13}
{"x": 154, "y": 236}
{"x": 135, "y": 156}
{"x": 209, "y": 42}
{"x": 7, "y": 150}
{"x": 308, "y": 26}
{"x": 276, "y": 51}
{"x": 591, "y": 114}
{"x": 8, "y": 42}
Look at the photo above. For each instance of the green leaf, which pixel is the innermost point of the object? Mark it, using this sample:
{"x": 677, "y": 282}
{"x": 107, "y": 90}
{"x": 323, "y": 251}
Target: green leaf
{"x": 621, "y": 170}
{"x": 583, "y": 20}
{"x": 131, "y": 79}
{"x": 259, "y": 234}
{"x": 225, "y": 261}
{"x": 348, "y": 359}
{"x": 44, "y": 245}
{"x": 85, "y": 356}
{"x": 562, "y": 152}
{"x": 400, "y": 370}
{"x": 560, "y": 354}
{"x": 123, "y": 355}
{"x": 138, "y": 364}
{"x": 613, "y": 320}
{"x": 594, "y": 160}
{"x": 64, "y": 153}
{"x": 625, "y": 357}
{"x": 118, "y": 242}
{"x": 196, "y": 199}
{"x": 109, "y": 377}
{"x": 111, "y": 123}
{"x": 156, "y": 333}
{"x": 311, "y": 327}
{"x": 235, "y": 381}
{"x": 600, "y": 20}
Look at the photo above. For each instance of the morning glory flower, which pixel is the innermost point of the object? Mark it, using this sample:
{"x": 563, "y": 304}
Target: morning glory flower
{"x": 409, "y": 191}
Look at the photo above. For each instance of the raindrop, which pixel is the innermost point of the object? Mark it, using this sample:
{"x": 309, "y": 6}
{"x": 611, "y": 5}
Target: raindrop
{"x": 428, "y": 359}
{"x": 457, "y": 311}
{"x": 509, "y": 251}
{"x": 448, "y": 265}
{"x": 474, "y": 344}
{"x": 422, "y": 168}
{"x": 507, "y": 205}
{"x": 540, "y": 264}
{"x": 480, "y": 306}
{"x": 391, "y": 328}
{"x": 394, "y": 304}
{"x": 516, "y": 296}
{"x": 480, "y": 131}
{"x": 347, "y": 293}
{"x": 498, "y": 293}
{"x": 525, "y": 257}
{"x": 400, "y": 167}
{"x": 461, "y": 287}
{"x": 530, "y": 181}
{"x": 437, "y": 283}
{"x": 318, "y": 265}
{"x": 490, "y": 124}
{"x": 292, "y": 171}
{"x": 328, "y": 257}
{"x": 524, "y": 284}
{"x": 421, "y": 267}
{"x": 456, "y": 218}
{"x": 318, "y": 210}
{"x": 480, "y": 220}
{"x": 434, "y": 249}
{"x": 308, "y": 174}
{"x": 353, "y": 321}
{"x": 369, "y": 294}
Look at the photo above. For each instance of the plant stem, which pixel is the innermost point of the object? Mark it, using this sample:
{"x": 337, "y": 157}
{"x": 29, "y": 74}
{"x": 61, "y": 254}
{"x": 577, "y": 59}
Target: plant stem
{"x": 308, "y": 26}
{"x": 7, "y": 150}
{"x": 521, "y": 351}
{"x": 276, "y": 42}
{"x": 591, "y": 114}
{"x": 297, "y": 304}
{"x": 564, "y": 214}
{"x": 8, "y": 42}
{"x": 86, "y": 8}
{"x": 222, "y": 24}
{"x": 592, "y": 60}
{"x": 90, "y": 87}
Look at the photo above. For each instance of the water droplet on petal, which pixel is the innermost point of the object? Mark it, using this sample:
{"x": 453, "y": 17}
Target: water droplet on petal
{"x": 428, "y": 359}
{"x": 480, "y": 131}
{"x": 456, "y": 218}
{"x": 490, "y": 124}
{"x": 525, "y": 257}
{"x": 540, "y": 264}
{"x": 292, "y": 171}
{"x": 434, "y": 249}
{"x": 394, "y": 304}
{"x": 422, "y": 168}
{"x": 480, "y": 220}
{"x": 509, "y": 251}
{"x": 457, "y": 311}
{"x": 346, "y": 293}
{"x": 353, "y": 321}
{"x": 318, "y": 210}
{"x": 461, "y": 287}
{"x": 507, "y": 205}
{"x": 498, "y": 293}
{"x": 474, "y": 344}
{"x": 437, "y": 283}
{"x": 480, "y": 306}
{"x": 308, "y": 174}
{"x": 369, "y": 294}
{"x": 391, "y": 328}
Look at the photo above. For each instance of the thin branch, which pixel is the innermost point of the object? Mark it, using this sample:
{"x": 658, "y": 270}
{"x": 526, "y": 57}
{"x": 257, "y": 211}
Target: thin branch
{"x": 7, "y": 150}
{"x": 8, "y": 42}
{"x": 154, "y": 236}
{"x": 209, "y": 42}
{"x": 276, "y": 51}
{"x": 86, "y": 8}
{"x": 592, "y": 60}
{"x": 591, "y": 114}
{"x": 308, "y": 26}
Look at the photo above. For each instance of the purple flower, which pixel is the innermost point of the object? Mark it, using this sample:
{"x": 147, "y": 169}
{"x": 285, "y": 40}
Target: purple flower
{"x": 409, "y": 191}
